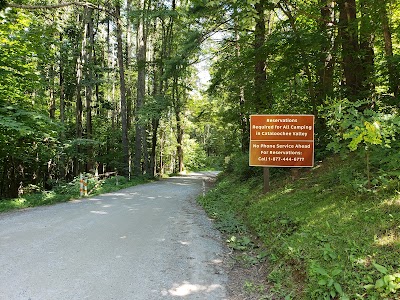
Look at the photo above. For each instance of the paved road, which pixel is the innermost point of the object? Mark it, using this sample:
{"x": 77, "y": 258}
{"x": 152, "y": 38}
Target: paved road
{"x": 146, "y": 242}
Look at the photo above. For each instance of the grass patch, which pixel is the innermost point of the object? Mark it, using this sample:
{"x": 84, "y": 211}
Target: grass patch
{"x": 325, "y": 237}
{"x": 64, "y": 192}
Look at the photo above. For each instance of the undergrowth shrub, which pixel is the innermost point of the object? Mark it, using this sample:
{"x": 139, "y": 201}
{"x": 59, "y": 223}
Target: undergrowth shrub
{"x": 239, "y": 166}
{"x": 373, "y": 134}
{"x": 324, "y": 232}
{"x": 65, "y": 191}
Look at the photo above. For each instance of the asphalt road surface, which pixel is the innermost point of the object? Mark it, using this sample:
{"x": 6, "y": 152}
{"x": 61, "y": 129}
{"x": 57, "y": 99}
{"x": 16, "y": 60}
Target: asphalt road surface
{"x": 147, "y": 242}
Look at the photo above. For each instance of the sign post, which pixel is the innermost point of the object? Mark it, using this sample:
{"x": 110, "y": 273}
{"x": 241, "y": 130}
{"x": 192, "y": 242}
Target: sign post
{"x": 266, "y": 180}
{"x": 281, "y": 141}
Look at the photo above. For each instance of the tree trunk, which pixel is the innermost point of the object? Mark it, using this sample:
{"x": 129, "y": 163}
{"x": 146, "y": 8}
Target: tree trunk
{"x": 4, "y": 180}
{"x": 52, "y": 109}
{"x": 146, "y": 163}
{"x": 79, "y": 104}
{"x": 79, "y": 75}
{"x": 243, "y": 118}
{"x": 307, "y": 70}
{"x": 366, "y": 50}
{"x": 155, "y": 122}
{"x": 155, "y": 125}
{"x": 348, "y": 32}
{"x": 141, "y": 93}
{"x": 394, "y": 76}
{"x": 128, "y": 60}
{"x": 62, "y": 110}
{"x": 325, "y": 66}
{"x": 260, "y": 76}
{"x": 179, "y": 139}
{"x": 124, "y": 121}
{"x": 89, "y": 85}
{"x": 326, "y": 58}
{"x": 62, "y": 93}
{"x": 162, "y": 139}
{"x": 179, "y": 126}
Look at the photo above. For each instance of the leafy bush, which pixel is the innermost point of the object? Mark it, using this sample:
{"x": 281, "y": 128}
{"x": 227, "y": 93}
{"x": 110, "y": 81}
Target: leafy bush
{"x": 65, "y": 191}
{"x": 238, "y": 165}
{"x": 354, "y": 128}
{"x": 372, "y": 134}
{"x": 322, "y": 236}
{"x": 195, "y": 157}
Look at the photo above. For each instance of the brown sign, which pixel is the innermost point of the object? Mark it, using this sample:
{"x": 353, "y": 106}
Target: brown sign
{"x": 282, "y": 140}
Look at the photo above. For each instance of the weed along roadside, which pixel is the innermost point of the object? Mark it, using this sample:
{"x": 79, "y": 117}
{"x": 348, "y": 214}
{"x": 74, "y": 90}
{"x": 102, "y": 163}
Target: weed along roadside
{"x": 82, "y": 186}
{"x": 318, "y": 235}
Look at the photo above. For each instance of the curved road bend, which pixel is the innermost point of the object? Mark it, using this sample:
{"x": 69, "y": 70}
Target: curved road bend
{"x": 147, "y": 242}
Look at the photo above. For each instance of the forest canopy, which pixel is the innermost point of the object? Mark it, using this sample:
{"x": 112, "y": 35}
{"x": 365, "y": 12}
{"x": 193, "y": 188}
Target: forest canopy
{"x": 101, "y": 86}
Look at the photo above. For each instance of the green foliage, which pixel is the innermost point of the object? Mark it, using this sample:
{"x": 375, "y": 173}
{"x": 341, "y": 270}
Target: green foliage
{"x": 365, "y": 128}
{"x": 241, "y": 243}
{"x": 23, "y": 136}
{"x": 3, "y": 4}
{"x": 329, "y": 287}
{"x": 221, "y": 209}
{"x": 238, "y": 164}
{"x": 251, "y": 287}
{"x": 386, "y": 286}
{"x": 195, "y": 157}
{"x": 372, "y": 134}
{"x": 40, "y": 53}
{"x": 28, "y": 137}
{"x": 65, "y": 191}
{"x": 321, "y": 235}
{"x": 19, "y": 58}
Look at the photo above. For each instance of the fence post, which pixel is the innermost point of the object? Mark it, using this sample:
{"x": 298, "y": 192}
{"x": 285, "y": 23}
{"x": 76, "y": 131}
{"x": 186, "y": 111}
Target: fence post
{"x": 81, "y": 185}
{"x": 85, "y": 183}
